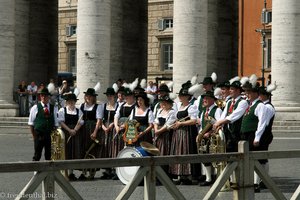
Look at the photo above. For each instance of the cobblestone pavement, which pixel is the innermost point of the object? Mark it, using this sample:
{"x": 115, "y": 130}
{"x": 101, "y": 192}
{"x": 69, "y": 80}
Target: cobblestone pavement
{"x": 18, "y": 146}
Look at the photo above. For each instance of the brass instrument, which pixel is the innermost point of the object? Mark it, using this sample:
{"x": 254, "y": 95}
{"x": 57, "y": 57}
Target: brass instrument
{"x": 58, "y": 145}
{"x": 202, "y": 145}
{"x": 88, "y": 155}
{"x": 215, "y": 144}
{"x": 221, "y": 103}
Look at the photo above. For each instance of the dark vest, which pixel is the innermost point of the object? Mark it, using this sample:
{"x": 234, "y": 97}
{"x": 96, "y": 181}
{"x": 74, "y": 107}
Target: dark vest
{"x": 211, "y": 114}
{"x": 89, "y": 115}
{"x": 250, "y": 120}
{"x": 44, "y": 123}
{"x": 71, "y": 119}
{"x": 109, "y": 114}
{"x": 143, "y": 120}
{"x": 267, "y": 136}
{"x": 125, "y": 110}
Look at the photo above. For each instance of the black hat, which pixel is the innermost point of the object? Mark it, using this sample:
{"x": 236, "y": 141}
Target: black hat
{"x": 71, "y": 96}
{"x": 236, "y": 84}
{"x": 163, "y": 88}
{"x": 207, "y": 80}
{"x": 91, "y": 92}
{"x": 209, "y": 94}
{"x": 166, "y": 98}
{"x": 139, "y": 89}
{"x": 249, "y": 87}
{"x": 127, "y": 92}
{"x": 44, "y": 91}
{"x": 141, "y": 94}
{"x": 110, "y": 91}
{"x": 263, "y": 91}
{"x": 184, "y": 91}
{"x": 121, "y": 89}
{"x": 224, "y": 84}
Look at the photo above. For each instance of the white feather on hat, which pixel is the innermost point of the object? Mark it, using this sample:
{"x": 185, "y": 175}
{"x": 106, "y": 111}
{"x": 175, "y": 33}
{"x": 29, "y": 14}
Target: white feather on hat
{"x": 143, "y": 83}
{"x": 237, "y": 78}
{"x": 253, "y": 80}
{"x": 115, "y": 87}
{"x": 151, "y": 98}
{"x": 172, "y": 96}
{"x": 126, "y": 85}
{"x": 170, "y": 85}
{"x": 271, "y": 87}
{"x": 194, "y": 79}
{"x": 195, "y": 88}
{"x": 244, "y": 80}
{"x": 217, "y": 92}
{"x": 134, "y": 84}
{"x": 76, "y": 91}
{"x": 51, "y": 88}
{"x": 97, "y": 87}
{"x": 214, "y": 77}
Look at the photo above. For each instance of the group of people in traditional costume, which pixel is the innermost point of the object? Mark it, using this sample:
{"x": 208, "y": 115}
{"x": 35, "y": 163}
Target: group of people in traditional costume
{"x": 239, "y": 107}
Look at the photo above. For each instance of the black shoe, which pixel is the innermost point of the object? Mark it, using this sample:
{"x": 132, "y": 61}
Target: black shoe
{"x": 176, "y": 182}
{"x": 72, "y": 177}
{"x": 262, "y": 185}
{"x": 256, "y": 188}
{"x": 105, "y": 176}
{"x": 202, "y": 178}
{"x": 185, "y": 182}
{"x": 206, "y": 183}
{"x": 115, "y": 177}
{"x": 234, "y": 186}
{"x": 82, "y": 177}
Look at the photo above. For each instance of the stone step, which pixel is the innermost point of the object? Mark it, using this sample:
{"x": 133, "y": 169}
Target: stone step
{"x": 287, "y": 123}
{"x": 14, "y": 119}
{"x": 286, "y": 128}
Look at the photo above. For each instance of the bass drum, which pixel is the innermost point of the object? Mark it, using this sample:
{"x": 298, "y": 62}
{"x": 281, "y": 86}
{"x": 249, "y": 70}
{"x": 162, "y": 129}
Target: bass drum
{"x": 125, "y": 174}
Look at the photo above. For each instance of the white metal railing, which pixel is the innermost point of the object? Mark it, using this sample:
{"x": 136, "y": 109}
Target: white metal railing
{"x": 244, "y": 163}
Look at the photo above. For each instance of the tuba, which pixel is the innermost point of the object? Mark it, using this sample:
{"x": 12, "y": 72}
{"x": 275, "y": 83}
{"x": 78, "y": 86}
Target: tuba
{"x": 202, "y": 144}
{"x": 57, "y": 145}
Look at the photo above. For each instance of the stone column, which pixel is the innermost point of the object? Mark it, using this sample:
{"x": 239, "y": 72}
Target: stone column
{"x": 7, "y": 53}
{"x": 285, "y": 58}
{"x": 189, "y": 40}
{"x": 93, "y": 44}
{"x": 22, "y": 42}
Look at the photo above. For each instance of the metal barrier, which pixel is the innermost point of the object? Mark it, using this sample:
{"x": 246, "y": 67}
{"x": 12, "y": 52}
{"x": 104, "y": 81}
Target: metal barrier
{"x": 244, "y": 163}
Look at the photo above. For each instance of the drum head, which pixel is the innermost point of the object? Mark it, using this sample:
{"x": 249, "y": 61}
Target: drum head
{"x": 125, "y": 174}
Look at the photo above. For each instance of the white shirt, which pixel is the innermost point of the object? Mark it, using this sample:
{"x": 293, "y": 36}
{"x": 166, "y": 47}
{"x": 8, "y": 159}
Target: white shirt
{"x": 150, "y": 115}
{"x": 238, "y": 112}
{"x": 34, "y": 111}
{"x": 192, "y": 111}
{"x": 99, "y": 111}
{"x": 170, "y": 117}
{"x": 260, "y": 112}
{"x": 270, "y": 111}
{"x": 61, "y": 114}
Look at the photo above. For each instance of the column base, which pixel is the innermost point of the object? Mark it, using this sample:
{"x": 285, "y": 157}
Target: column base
{"x": 287, "y": 113}
{"x": 9, "y": 110}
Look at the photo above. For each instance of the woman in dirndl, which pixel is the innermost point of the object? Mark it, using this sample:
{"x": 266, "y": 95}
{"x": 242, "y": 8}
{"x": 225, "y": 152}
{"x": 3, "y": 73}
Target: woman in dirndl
{"x": 107, "y": 127}
{"x": 121, "y": 116}
{"x": 92, "y": 116}
{"x": 183, "y": 140}
{"x": 144, "y": 116}
{"x": 70, "y": 119}
{"x": 163, "y": 122}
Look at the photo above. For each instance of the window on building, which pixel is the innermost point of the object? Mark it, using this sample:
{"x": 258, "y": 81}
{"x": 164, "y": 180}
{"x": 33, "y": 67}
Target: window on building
{"x": 165, "y": 24}
{"x": 167, "y": 55}
{"x": 72, "y": 60}
{"x": 71, "y": 30}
